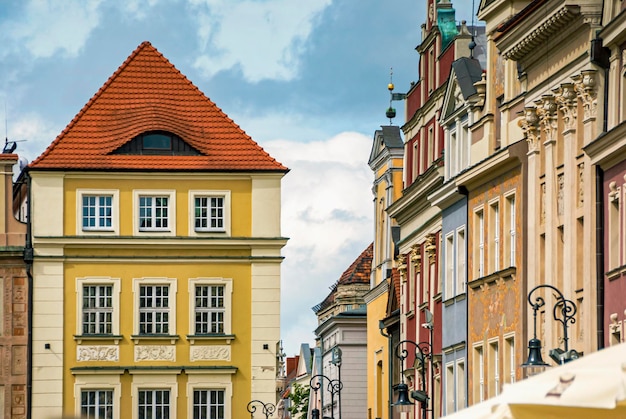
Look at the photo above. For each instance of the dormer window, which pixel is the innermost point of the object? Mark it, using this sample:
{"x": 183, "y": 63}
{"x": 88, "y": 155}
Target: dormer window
{"x": 157, "y": 142}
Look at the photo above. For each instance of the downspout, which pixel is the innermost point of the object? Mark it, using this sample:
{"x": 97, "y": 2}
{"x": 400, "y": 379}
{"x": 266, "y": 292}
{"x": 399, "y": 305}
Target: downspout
{"x": 389, "y": 359}
{"x": 599, "y": 258}
{"x": 28, "y": 259}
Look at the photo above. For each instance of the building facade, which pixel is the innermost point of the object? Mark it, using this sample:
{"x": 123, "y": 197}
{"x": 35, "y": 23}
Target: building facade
{"x": 14, "y": 304}
{"x": 156, "y": 255}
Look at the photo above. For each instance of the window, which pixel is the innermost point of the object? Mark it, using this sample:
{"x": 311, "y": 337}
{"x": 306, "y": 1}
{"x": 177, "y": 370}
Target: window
{"x": 449, "y": 255}
{"x": 157, "y": 141}
{"x": 450, "y": 388}
{"x": 211, "y": 212}
{"x": 209, "y": 309}
{"x": 494, "y": 368}
{"x": 494, "y": 232}
{"x": 479, "y": 374}
{"x": 97, "y": 306}
{"x": 509, "y": 360}
{"x": 154, "y": 404}
{"x": 97, "y": 211}
{"x": 479, "y": 236}
{"x": 460, "y": 265}
{"x": 154, "y": 310}
{"x": 97, "y": 309}
{"x": 153, "y": 212}
{"x": 156, "y": 212}
{"x": 96, "y": 404}
{"x": 211, "y": 305}
{"x": 510, "y": 230}
{"x": 208, "y": 404}
{"x": 460, "y": 384}
{"x": 155, "y": 299}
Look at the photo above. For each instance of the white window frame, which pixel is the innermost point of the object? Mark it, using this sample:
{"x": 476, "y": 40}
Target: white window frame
{"x": 95, "y": 281}
{"x": 460, "y": 396}
{"x": 450, "y": 388}
{"x": 227, "y": 283}
{"x": 460, "y": 265}
{"x": 151, "y": 281}
{"x": 146, "y": 381}
{"x": 494, "y": 234}
{"x": 171, "y": 212}
{"x": 84, "y": 382}
{"x": 479, "y": 228}
{"x": 479, "y": 371}
{"x": 511, "y": 225}
{"x": 494, "y": 360}
{"x": 226, "y": 196}
{"x": 509, "y": 360}
{"x": 115, "y": 212}
{"x": 203, "y": 381}
{"x": 450, "y": 268}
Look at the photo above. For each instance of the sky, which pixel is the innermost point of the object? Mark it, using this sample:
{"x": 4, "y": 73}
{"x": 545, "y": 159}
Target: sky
{"x": 306, "y": 79}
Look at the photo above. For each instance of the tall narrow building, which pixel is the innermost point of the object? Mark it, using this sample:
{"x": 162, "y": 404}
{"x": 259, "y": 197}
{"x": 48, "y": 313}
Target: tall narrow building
{"x": 155, "y": 231}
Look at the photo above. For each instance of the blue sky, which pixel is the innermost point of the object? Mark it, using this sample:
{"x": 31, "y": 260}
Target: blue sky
{"x": 307, "y": 79}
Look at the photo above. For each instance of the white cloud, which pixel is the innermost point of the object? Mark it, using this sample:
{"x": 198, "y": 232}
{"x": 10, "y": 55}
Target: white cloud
{"x": 264, "y": 39}
{"x": 32, "y": 133}
{"x": 46, "y": 27}
{"x": 327, "y": 214}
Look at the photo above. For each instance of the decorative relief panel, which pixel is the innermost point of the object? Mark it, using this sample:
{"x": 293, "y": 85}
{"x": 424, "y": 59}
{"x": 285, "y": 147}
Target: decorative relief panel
{"x": 155, "y": 353}
{"x": 18, "y": 360}
{"x": 560, "y": 197}
{"x": 98, "y": 353}
{"x": 209, "y": 353}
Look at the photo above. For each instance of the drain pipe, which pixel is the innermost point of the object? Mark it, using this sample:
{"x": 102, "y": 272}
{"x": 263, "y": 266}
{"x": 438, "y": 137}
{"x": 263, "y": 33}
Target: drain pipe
{"x": 599, "y": 258}
{"x": 381, "y": 326}
{"x": 28, "y": 259}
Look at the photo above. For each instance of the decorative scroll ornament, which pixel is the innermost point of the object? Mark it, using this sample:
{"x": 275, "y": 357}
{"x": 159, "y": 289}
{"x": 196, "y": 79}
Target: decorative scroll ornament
{"x": 530, "y": 126}
{"x": 586, "y": 88}
{"x": 431, "y": 247}
{"x": 155, "y": 353}
{"x": 546, "y": 111}
{"x": 416, "y": 257}
{"x": 566, "y": 98}
{"x": 209, "y": 353}
{"x": 581, "y": 184}
{"x": 98, "y": 353}
{"x": 401, "y": 267}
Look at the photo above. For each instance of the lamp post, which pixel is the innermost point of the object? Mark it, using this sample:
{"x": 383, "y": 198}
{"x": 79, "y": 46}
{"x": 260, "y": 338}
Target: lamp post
{"x": 333, "y": 386}
{"x": 423, "y": 351}
{"x": 268, "y": 408}
{"x": 564, "y": 311}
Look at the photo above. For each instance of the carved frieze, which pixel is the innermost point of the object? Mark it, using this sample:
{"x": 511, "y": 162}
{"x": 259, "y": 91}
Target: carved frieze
{"x": 98, "y": 353}
{"x": 155, "y": 353}
{"x": 209, "y": 353}
{"x": 581, "y": 185}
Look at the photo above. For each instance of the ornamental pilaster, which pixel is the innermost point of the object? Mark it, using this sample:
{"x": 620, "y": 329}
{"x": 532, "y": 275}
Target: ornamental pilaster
{"x": 585, "y": 85}
{"x": 530, "y": 125}
{"x": 567, "y": 101}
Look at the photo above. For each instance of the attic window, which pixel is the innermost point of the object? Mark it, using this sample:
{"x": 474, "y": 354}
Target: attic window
{"x": 157, "y": 141}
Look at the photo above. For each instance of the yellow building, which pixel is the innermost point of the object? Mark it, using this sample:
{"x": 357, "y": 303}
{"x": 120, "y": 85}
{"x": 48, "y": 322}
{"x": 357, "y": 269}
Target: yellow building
{"x": 385, "y": 160}
{"x": 155, "y": 230}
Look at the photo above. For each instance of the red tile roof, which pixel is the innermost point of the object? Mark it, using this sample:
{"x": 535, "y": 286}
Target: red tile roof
{"x": 147, "y": 93}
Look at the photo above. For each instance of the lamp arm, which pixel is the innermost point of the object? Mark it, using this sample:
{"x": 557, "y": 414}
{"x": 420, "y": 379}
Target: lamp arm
{"x": 564, "y": 310}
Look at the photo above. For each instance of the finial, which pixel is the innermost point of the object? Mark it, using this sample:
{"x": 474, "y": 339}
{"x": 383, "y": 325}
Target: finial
{"x": 391, "y": 112}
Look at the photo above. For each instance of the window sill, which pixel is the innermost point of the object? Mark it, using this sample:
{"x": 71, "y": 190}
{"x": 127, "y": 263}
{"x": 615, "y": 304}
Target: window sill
{"x": 214, "y": 336}
{"x": 171, "y": 338}
{"x": 203, "y": 231}
{"x": 115, "y": 338}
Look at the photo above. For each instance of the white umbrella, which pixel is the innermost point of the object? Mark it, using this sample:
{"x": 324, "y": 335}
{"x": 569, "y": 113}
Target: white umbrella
{"x": 593, "y": 386}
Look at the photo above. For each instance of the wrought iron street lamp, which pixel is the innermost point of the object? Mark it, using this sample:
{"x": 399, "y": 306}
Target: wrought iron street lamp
{"x": 333, "y": 386}
{"x": 564, "y": 311}
{"x": 268, "y": 408}
{"x": 423, "y": 352}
